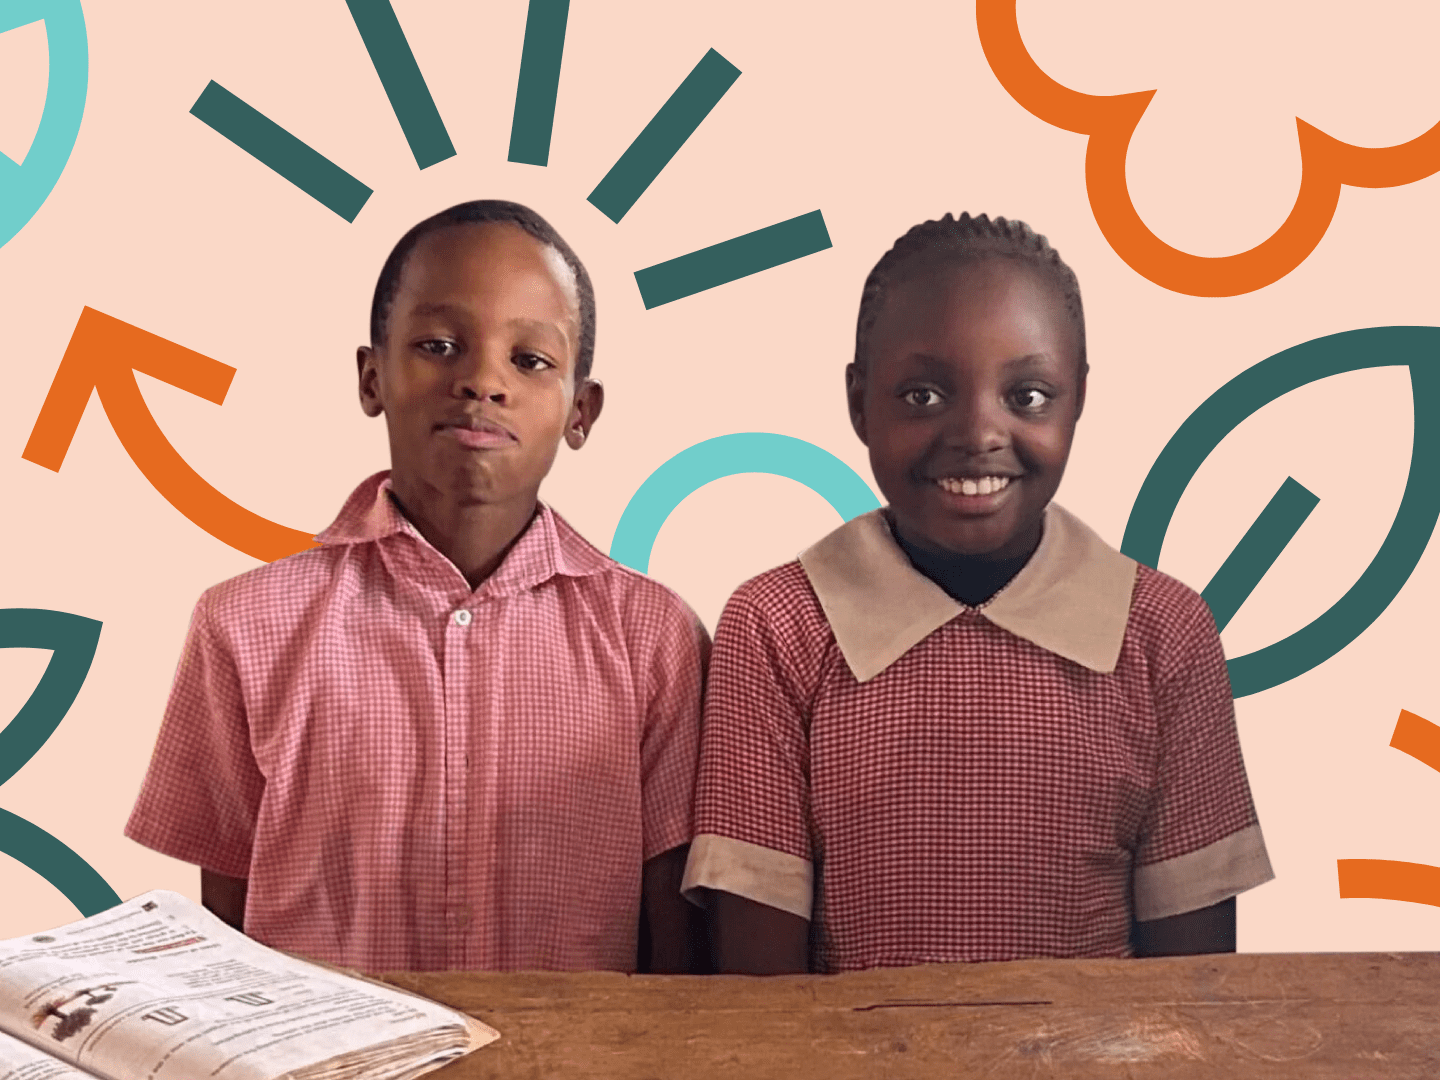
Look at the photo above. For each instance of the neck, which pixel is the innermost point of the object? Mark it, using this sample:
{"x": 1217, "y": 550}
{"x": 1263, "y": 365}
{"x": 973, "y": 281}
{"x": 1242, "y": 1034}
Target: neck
{"x": 971, "y": 579}
{"x": 474, "y": 536}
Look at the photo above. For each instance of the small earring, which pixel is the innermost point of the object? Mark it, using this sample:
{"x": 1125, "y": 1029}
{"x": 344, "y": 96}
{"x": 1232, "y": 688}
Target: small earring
{"x": 579, "y": 434}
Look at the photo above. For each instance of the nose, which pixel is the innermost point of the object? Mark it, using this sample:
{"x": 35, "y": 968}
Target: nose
{"x": 978, "y": 424}
{"x": 483, "y": 375}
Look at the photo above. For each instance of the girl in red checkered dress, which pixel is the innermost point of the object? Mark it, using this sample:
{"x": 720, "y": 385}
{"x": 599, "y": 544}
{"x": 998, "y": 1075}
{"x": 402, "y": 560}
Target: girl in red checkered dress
{"x": 964, "y": 727}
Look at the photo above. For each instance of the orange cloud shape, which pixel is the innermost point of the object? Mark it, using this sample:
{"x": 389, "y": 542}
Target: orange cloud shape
{"x": 1325, "y": 164}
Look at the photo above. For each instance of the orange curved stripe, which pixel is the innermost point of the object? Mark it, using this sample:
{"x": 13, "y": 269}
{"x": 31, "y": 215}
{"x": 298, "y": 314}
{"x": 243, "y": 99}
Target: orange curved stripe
{"x": 1326, "y": 164}
{"x": 1384, "y": 879}
{"x": 1417, "y": 737}
{"x": 103, "y": 355}
{"x": 184, "y": 488}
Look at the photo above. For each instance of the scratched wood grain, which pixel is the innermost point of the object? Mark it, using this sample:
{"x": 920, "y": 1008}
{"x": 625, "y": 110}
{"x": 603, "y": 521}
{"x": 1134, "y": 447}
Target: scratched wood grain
{"x": 1327, "y": 1017}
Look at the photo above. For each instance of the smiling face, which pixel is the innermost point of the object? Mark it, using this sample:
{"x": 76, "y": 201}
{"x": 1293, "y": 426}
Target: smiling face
{"x": 967, "y": 401}
{"x": 476, "y": 374}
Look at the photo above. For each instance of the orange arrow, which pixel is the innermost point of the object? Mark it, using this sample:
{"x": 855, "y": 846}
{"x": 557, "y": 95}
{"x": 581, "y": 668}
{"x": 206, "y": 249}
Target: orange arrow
{"x": 103, "y": 355}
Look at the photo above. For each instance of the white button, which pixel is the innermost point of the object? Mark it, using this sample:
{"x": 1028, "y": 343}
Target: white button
{"x": 461, "y": 617}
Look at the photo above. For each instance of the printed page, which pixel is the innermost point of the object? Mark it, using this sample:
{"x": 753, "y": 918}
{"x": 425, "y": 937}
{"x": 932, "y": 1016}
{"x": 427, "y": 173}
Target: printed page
{"x": 159, "y": 989}
{"x": 21, "y": 1061}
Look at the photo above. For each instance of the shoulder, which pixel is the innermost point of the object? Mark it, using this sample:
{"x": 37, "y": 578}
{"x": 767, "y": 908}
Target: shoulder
{"x": 1170, "y": 621}
{"x": 644, "y": 603}
{"x": 782, "y": 596}
{"x": 277, "y": 591}
{"x": 777, "y": 614}
{"x": 1165, "y": 605}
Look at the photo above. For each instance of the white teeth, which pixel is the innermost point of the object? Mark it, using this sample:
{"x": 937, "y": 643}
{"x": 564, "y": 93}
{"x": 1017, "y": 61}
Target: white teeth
{"x": 984, "y": 485}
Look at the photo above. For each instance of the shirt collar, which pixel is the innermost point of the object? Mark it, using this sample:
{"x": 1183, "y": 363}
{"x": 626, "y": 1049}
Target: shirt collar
{"x": 548, "y": 546}
{"x": 1072, "y": 598}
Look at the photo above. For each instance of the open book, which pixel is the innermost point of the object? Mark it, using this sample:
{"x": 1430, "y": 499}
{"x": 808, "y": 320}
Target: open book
{"x": 159, "y": 989}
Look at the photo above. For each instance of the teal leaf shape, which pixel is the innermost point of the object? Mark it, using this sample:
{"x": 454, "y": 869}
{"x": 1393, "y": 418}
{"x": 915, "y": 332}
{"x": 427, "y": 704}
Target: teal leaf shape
{"x": 72, "y": 640}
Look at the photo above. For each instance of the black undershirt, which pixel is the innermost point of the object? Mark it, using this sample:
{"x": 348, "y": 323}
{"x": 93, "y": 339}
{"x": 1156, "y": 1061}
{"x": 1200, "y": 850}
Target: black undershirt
{"x": 965, "y": 578}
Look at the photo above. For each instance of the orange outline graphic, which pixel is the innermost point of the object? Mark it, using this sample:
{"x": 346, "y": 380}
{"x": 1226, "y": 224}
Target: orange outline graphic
{"x": 1384, "y": 879}
{"x": 1326, "y": 163}
{"x": 103, "y": 355}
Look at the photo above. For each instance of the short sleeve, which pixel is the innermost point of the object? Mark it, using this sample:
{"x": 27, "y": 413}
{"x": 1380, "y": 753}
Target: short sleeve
{"x": 675, "y": 680}
{"x": 201, "y": 795}
{"x": 1201, "y": 840}
{"x": 752, "y": 798}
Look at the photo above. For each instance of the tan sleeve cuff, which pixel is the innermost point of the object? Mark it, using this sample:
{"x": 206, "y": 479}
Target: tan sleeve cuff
{"x": 1201, "y": 878}
{"x": 757, "y": 873}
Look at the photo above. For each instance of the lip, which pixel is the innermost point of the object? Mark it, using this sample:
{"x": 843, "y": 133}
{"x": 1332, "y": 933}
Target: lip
{"x": 477, "y": 433}
{"x": 977, "y": 505}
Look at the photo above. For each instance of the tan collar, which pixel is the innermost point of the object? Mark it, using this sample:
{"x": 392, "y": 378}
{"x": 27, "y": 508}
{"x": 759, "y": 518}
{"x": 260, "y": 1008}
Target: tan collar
{"x": 1072, "y": 598}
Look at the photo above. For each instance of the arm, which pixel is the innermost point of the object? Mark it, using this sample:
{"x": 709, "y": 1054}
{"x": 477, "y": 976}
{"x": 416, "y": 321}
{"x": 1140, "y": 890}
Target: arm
{"x": 202, "y": 791}
{"x": 673, "y": 928}
{"x": 750, "y": 862}
{"x": 1208, "y": 930}
{"x": 224, "y": 896}
{"x": 755, "y": 939}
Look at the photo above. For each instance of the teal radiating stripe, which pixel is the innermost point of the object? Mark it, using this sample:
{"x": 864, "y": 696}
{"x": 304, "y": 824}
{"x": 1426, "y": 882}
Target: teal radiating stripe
{"x": 404, "y": 84}
{"x": 539, "y": 82}
{"x": 272, "y": 145}
{"x": 1258, "y": 549}
{"x": 664, "y": 135}
{"x": 725, "y": 262}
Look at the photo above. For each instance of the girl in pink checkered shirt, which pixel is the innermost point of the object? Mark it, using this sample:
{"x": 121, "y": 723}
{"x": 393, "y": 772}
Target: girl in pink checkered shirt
{"x": 964, "y": 727}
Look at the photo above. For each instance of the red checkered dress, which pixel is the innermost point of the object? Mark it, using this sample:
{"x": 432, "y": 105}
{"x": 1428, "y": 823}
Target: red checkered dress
{"x": 416, "y": 776}
{"x": 981, "y": 797}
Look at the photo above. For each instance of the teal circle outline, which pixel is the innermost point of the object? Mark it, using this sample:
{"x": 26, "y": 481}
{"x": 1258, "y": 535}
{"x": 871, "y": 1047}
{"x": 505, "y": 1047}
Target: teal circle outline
{"x": 25, "y": 187}
{"x": 1414, "y": 347}
{"x": 732, "y": 455}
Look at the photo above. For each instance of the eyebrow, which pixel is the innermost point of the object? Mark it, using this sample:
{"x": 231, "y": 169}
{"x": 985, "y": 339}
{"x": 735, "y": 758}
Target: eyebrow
{"x": 442, "y": 308}
{"x": 1028, "y": 360}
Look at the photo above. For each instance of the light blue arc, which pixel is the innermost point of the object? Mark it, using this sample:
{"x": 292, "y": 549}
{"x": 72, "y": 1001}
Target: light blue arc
{"x": 25, "y": 187}
{"x": 732, "y": 455}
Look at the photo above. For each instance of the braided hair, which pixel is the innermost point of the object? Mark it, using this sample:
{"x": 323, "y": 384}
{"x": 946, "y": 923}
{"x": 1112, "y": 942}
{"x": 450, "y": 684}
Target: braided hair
{"x": 478, "y": 212}
{"x": 963, "y": 240}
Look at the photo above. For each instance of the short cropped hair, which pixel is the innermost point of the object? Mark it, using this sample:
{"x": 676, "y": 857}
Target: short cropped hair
{"x": 961, "y": 240}
{"x": 478, "y": 212}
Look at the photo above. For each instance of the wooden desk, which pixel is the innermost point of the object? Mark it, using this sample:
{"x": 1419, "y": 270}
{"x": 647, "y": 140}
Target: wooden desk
{"x": 1328, "y": 1017}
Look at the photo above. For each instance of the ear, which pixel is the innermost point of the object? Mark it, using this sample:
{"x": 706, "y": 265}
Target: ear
{"x": 855, "y": 396}
{"x": 1080, "y": 392}
{"x": 589, "y": 400}
{"x": 367, "y": 363}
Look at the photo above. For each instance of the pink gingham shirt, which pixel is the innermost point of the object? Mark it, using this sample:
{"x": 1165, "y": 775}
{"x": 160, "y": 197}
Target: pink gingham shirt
{"x": 416, "y": 776}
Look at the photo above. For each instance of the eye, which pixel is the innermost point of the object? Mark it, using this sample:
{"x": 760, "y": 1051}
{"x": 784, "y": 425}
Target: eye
{"x": 922, "y": 397}
{"x": 439, "y": 347}
{"x": 529, "y": 361}
{"x": 1032, "y": 398}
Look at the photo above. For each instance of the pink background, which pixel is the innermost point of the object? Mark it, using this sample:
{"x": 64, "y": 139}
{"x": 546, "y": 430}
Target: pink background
{"x": 880, "y": 116}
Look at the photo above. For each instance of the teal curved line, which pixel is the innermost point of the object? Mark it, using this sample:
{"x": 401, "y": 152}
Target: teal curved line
{"x": 1418, "y": 348}
{"x": 25, "y": 187}
{"x": 72, "y": 639}
{"x": 56, "y": 863}
{"x": 731, "y": 455}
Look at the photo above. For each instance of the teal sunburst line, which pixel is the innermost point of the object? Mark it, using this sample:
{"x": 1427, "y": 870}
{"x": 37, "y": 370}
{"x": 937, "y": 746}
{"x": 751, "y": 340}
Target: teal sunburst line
{"x": 731, "y": 260}
{"x": 403, "y": 81}
{"x": 274, "y": 147}
{"x": 663, "y": 136}
{"x": 538, "y": 87}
